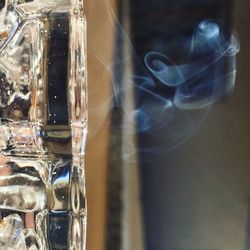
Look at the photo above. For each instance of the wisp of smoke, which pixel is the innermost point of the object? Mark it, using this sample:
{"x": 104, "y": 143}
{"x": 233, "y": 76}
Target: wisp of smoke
{"x": 205, "y": 81}
{"x": 167, "y": 116}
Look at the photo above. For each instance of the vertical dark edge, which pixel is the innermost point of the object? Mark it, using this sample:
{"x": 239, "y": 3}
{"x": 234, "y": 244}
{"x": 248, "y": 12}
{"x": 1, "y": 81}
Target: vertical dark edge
{"x": 114, "y": 169}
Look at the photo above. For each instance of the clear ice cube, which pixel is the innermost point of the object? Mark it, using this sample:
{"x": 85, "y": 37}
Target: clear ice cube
{"x": 43, "y": 124}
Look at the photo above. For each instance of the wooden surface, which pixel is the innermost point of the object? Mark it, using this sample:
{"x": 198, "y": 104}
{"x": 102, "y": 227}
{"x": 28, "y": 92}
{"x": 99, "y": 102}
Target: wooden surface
{"x": 100, "y": 54}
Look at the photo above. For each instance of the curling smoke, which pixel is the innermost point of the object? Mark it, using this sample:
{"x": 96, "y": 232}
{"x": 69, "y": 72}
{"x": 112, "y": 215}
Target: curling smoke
{"x": 171, "y": 98}
{"x": 208, "y": 78}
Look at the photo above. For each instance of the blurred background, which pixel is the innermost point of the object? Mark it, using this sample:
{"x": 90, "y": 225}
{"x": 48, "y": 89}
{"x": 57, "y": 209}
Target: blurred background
{"x": 164, "y": 173}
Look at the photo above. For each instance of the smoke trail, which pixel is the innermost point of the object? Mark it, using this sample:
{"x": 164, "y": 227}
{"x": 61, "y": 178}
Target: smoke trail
{"x": 206, "y": 80}
{"x": 172, "y": 99}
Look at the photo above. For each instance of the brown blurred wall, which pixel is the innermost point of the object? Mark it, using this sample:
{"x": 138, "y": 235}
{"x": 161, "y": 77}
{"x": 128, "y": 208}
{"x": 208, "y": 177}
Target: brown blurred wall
{"x": 100, "y": 38}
